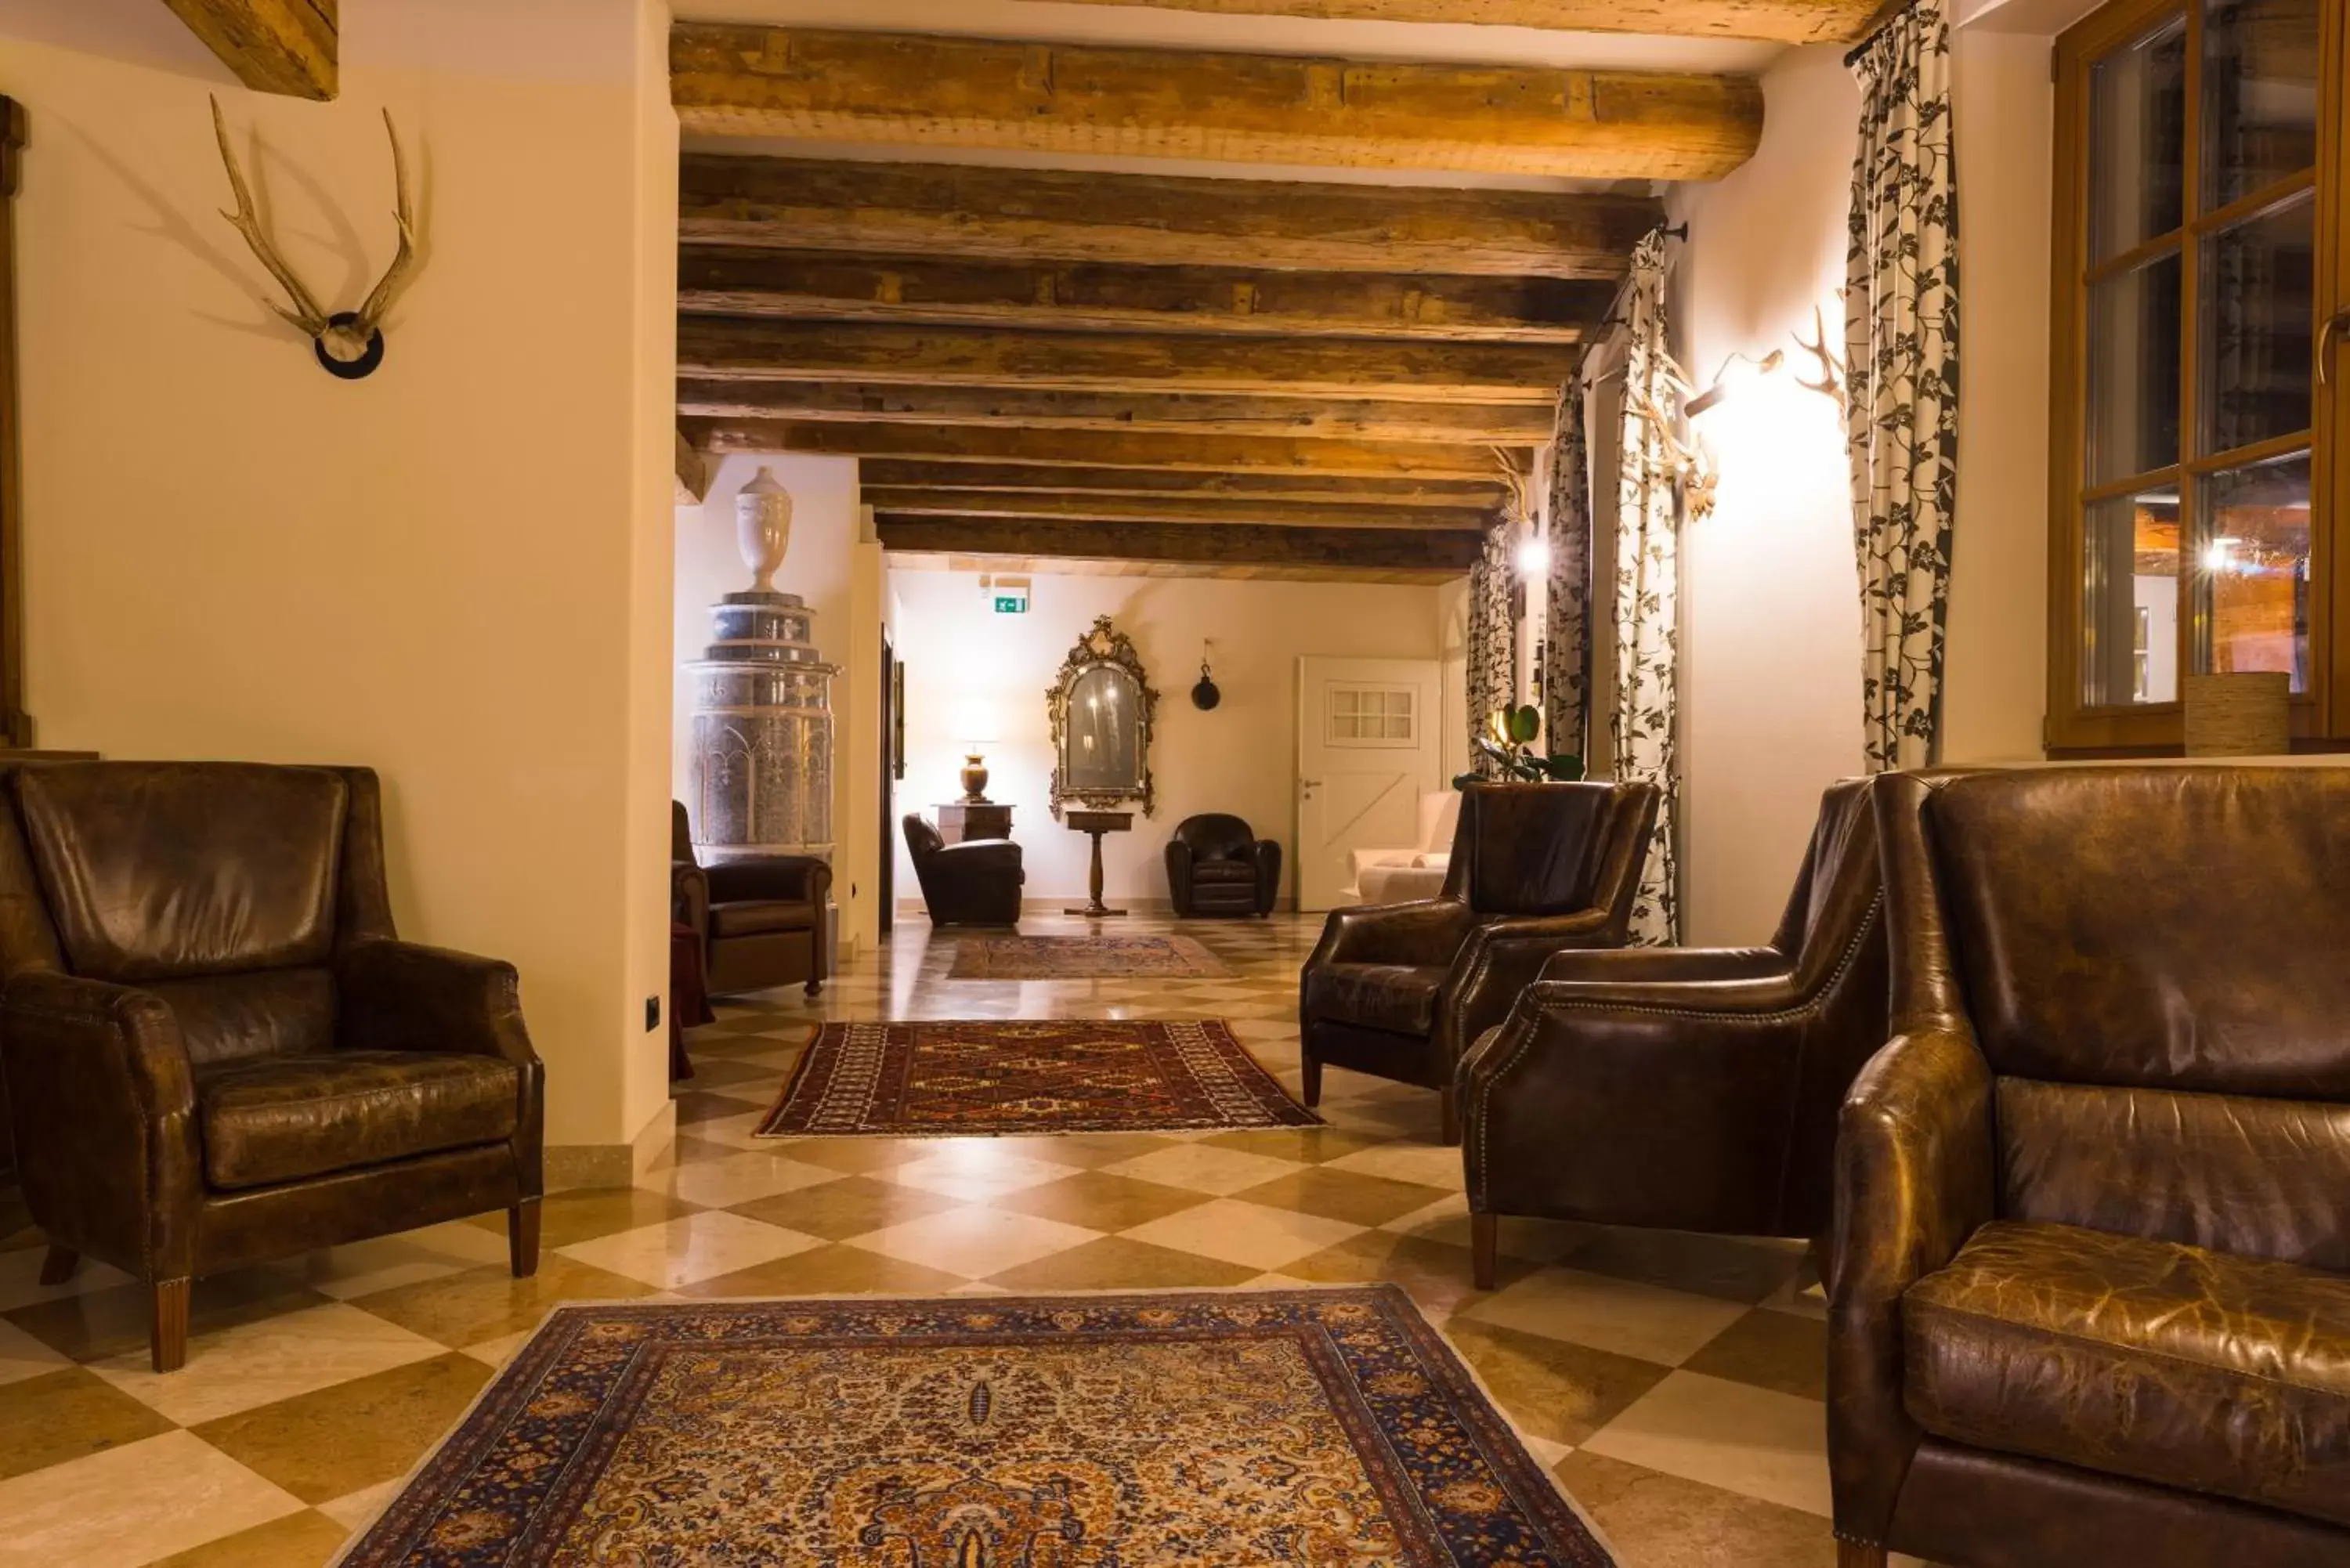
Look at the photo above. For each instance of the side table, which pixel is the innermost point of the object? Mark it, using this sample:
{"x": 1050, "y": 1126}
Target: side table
{"x": 1093, "y": 824}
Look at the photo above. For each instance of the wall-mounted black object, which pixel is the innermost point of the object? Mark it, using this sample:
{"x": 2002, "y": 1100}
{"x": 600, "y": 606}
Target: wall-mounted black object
{"x": 1205, "y": 695}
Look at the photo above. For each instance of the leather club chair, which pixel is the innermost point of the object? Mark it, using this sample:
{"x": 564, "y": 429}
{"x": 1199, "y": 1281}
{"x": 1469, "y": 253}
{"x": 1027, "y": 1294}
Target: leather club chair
{"x": 1398, "y": 991}
{"x": 760, "y": 921}
{"x": 976, "y": 883}
{"x": 2091, "y": 1300}
{"x": 1216, "y": 864}
{"x": 218, "y": 1050}
{"x": 1689, "y": 1089}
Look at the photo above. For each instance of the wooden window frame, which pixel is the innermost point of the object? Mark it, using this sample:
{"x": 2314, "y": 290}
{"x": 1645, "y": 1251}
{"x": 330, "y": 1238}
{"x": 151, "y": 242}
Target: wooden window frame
{"x": 2320, "y": 717}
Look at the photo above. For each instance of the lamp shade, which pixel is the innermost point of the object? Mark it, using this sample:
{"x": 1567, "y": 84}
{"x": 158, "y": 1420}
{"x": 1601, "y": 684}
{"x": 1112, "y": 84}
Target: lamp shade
{"x": 975, "y": 722}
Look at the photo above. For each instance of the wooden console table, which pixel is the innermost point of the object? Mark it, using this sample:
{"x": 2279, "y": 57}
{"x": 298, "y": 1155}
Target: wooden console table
{"x": 1093, "y": 824}
{"x": 962, "y": 820}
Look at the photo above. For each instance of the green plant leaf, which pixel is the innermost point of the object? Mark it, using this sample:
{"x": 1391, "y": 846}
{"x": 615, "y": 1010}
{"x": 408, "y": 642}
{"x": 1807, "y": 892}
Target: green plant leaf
{"x": 1566, "y": 768}
{"x": 1525, "y": 723}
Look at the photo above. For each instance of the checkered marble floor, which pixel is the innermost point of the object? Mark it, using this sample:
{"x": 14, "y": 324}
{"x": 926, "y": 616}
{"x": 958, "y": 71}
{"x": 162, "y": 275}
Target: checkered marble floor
{"x": 1674, "y": 1382}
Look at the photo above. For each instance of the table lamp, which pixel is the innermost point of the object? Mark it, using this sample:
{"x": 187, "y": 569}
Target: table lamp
{"x": 976, "y": 725}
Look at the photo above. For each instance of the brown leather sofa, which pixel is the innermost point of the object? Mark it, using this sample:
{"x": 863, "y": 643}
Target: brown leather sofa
{"x": 2091, "y": 1301}
{"x": 975, "y": 883}
{"x": 218, "y": 1050}
{"x": 1686, "y": 1088}
{"x": 1398, "y": 991}
{"x": 760, "y": 921}
{"x": 1216, "y": 864}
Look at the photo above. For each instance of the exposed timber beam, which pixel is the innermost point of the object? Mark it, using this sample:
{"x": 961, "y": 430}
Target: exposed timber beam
{"x": 1100, "y": 448}
{"x": 1222, "y": 571}
{"x": 1768, "y": 21}
{"x": 693, "y": 472}
{"x": 285, "y": 46}
{"x": 742, "y": 348}
{"x": 929, "y": 90}
{"x": 1375, "y": 548}
{"x": 815, "y": 286}
{"x": 943, "y": 209}
{"x": 917, "y": 473}
{"x": 1214, "y": 512}
{"x": 851, "y": 402}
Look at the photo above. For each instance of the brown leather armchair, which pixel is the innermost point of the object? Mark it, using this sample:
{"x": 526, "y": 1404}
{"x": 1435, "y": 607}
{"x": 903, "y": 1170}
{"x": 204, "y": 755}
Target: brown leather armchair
{"x": 219, "y": 1052}
{"x": 1216, "y": 864}
{"x": 2091, "y": 1299}
{"x": 975, "y": 883}
{"x": 1684, "y": 1088}
{"x": 1398, "y": 991}
{"x": 760, "y": 921}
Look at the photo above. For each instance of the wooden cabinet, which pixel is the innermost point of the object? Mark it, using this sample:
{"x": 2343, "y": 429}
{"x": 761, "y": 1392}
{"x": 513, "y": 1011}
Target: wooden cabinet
{"x": 960, "y": 820}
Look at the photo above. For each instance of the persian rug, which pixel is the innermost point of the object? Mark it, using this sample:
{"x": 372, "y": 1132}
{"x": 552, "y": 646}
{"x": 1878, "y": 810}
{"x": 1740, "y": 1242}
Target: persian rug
{"x": 1082, "y": 958}
{"x": 935, "y": 1079}
{"x": 1316, "y": 1427}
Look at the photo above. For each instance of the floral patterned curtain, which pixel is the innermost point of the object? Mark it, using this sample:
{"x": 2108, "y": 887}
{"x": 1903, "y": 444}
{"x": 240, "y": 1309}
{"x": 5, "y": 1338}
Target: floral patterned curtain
{"x": 1901, "y": 346}
{"x": 1645, "y": 720}
{"x": 1491, "y": 661}
{"x": 1566, "y": 625}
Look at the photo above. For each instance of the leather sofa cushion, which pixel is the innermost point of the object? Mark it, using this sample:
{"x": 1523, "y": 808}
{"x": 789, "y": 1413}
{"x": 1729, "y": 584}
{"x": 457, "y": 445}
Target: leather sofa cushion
{"x": 1397, "y": 997}
{"x": 2150, "y": 1359}
{"x": 1224, "y": 871}
{"x": 163, "y": 870}
{"x": 283, "y": 1118}
{"x": 752, "y": 919}
{"x": 270, "y": 1012}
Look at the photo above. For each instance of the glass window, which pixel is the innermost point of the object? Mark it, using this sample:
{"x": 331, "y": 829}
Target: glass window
{"x": 2251, "y": 570}
{"x": 2130, "y": 611}
{"x": 2134, "y": 361}
{"x": 2257, "y": 327}
{"x": 2260, "y": 95}
{"x": 2137, "y": 132}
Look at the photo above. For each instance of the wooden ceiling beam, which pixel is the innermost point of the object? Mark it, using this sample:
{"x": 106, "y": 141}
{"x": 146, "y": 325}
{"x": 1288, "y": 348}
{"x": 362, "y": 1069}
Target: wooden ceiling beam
{"x": 935, "y": 91}
{"x": 1236, "y": 545}
{"x": 1766, "y": 21}
{"x": 285, "y": 47}
{"x": 816, "y": 285}
{"x": 693, "y": 472}
{"x": 949, "y": 478}
{"x": 946, "y": 209}
{"x": 1101, "y": 449}
{"x": 743, "y": 348}
{"x": 1198, "y": 511}
{"x": 854, "y": 402}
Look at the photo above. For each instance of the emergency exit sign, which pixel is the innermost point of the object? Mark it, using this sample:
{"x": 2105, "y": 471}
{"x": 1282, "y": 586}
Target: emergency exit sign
{"x": 1012, "y": 601}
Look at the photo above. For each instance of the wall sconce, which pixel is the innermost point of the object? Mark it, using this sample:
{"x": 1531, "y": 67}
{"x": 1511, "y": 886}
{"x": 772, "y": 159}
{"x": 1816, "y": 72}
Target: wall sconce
{"x": 1533, "y": 557}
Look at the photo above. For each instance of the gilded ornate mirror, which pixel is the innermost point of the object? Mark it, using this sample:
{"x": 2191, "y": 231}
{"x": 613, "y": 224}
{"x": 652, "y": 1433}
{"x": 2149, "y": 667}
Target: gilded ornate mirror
{"x": 1101, "y": 706}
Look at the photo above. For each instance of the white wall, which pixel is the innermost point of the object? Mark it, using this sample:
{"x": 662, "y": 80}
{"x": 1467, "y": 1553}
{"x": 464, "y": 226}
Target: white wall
{"x": 451, "y": 571}
{"x": 1241, "y": 758}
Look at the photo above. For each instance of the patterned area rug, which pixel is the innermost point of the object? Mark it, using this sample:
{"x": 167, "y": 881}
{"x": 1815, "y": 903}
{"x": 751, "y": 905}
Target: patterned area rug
{"x": 1082, "y": 958}
{"x": 912, "y": 1080}
{"x": 1321, "y": 1427}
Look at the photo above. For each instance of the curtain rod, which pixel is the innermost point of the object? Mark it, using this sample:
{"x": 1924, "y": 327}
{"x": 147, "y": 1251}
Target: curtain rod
{"x": 1885, "y": 17}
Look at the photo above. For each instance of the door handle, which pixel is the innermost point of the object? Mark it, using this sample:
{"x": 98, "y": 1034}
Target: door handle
{"x": 2326, "y": 335}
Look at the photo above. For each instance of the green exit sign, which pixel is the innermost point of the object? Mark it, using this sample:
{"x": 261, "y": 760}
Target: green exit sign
{"x": 1011, "y": 602}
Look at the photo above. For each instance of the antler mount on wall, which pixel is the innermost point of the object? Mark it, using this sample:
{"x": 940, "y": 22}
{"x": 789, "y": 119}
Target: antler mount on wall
{"x": 349, "y": 342}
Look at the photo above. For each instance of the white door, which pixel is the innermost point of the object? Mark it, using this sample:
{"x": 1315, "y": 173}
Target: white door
{"x": 1367, "y": 748}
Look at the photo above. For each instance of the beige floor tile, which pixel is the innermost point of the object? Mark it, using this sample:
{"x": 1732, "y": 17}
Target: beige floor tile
{"x": 1100, "y": 1201}
{"x": 1341, "y": 1195}
{"x": 363, "y": 1268}
{"x": 303, "y": 1540}
{"x": 1438, "y": 1276}
{"x": 272, "y": 1358}
{"x": 850, "y": 1206}
{"x": 1535, "y": 1241}
{"x": 1562, "y": 1393}
{"x": 356, "y": 1511}
{"x": 1658, "y": 1521}
{"x": 1771, "y": 1350}
{"x": 855, "y": 1155}
{"x": 1203, "y": 1166}
{"x": 372, "y": 1429}
{"x": 1247, "y": 1233}
{"x": 1305, "y": 1145}
{"x": 690, "y": 1247}
{"x": 23, "y": 1356}
{"x": 93, "y": 1327}
{"x": 739, "y": 1179}
{"x": 132, "y": 1505}
{"x": 1733, "y": 1270}
{"x": 1427, "y": 1165}
{"x": 1120, "y": 1264}
{"x": 834, "y": 1269}
{"x": 1753, "y": 1441}
{"x": 495, "y": 1352}
{"x": 974, "y": 1242}
{"x": 974, "y": 1170}
{"x": 20, "y": 1278}
{"x": 481, "y": 1304}
{"x": 1630, "y": 1319}
{"x": 584, "y": 1215}
{"x": 68, "y": 1414}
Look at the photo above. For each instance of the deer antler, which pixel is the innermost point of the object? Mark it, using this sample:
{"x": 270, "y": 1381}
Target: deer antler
{"x": 305, "y": 315}
{"x": 403, "y": 260}
{"x": 1831, "y": 381}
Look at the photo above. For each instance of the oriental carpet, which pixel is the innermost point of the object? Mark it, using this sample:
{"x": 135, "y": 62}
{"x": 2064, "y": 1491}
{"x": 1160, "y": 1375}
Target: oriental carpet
{"x": 981, "y": 1078}
{"x": 1012, "y": 957}
{"x": 1330, "y": 1427}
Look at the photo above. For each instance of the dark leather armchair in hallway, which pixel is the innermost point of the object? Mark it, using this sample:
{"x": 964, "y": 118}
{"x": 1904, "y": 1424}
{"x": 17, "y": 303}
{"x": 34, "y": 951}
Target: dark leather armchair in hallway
{"x": 2091, "y": 1300}
{"x": 1216, "y": 864}
{"x": 1398, "y": 991}
{"x": 1683, "y": 1088}
{"x": 218, "y": 1052}
{"x": 760, "y": 921}
{"x": 976, "y": 883}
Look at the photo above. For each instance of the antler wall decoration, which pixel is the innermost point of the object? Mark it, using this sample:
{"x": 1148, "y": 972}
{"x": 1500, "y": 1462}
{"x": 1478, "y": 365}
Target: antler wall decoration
{"x": 349, "y": 342}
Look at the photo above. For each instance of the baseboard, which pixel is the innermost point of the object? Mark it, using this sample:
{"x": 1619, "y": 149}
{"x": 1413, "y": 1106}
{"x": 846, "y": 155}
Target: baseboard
{"x": 573, "y": 1166}
{"x": 1046, "y": 904}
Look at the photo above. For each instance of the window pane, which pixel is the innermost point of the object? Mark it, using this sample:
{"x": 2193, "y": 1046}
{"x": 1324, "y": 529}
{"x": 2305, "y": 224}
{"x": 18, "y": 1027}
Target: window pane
{"x": 2251, "y": 570}
{"x": 2258, "y": 320}
{"x": 2260, "y": 94}
{"x": 2133, "y": 415}
{"x": 2137, "y": 141}
{"x": 2129, "y": 623}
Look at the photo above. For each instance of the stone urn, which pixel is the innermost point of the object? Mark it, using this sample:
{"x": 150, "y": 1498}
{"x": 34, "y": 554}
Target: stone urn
{"x": 763, "y": 527}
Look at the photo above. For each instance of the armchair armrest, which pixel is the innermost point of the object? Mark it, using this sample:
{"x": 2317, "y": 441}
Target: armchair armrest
{"x": 404, "y": 996}
{"x": 1664, "y": 966}
{"x": 104, "y": 1101}
{"x": 689, "y": 898}
{"x": 1501, "y": 958}
{"x": 783, "y": 878}
{"x": 1913, "y": 1181}
{"x": 1426, "y": 931}
{"x": 976, "y": 857}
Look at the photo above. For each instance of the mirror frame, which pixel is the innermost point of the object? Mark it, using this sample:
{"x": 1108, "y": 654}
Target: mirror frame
{"x": 1104, "y": 645}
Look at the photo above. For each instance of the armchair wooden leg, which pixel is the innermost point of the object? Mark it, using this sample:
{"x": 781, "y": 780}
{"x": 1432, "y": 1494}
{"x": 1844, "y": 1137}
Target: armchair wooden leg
{"x": 1484, "y": 1249}
{"x": 1310, "y": 1071}
{"x": 59, "y": 1265}
{"x": 1853, "y": 1554}
{"x": 1450, "y": 1114}
{"x": 811, "y": 989}
{"x": 169, "y": 1340}
{"x": 522, "y": 1238}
